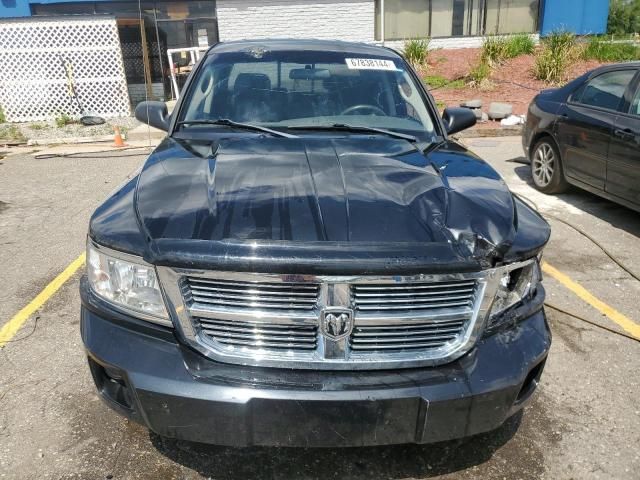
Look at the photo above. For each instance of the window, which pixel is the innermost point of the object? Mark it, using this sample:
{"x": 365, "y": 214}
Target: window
{"x": 302, "y": 88}
{"x": 634, "y": 108}
{"x": 405, "y": 19}
{"x": 511, "y": 16}
{"x": 606, "y": 90}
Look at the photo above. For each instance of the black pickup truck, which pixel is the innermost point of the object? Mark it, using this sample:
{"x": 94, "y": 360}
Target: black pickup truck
{"x": 307, "y": 259}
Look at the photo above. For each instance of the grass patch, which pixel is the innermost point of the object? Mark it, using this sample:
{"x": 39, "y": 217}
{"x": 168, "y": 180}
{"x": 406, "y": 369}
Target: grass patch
{"x": 478, "y": 76}
{"x": 494, "y": 50}
{"x": 557, "y": 53}
{"x": 438, "y": 81}
{"x": 604, "y": 50}
{"x": 521, "y": 44}
{"x": 38, "y": 126}
{"x": 63, "y": 119}
{"x": 11, "y": 133}
{"x": 416, "y": 50}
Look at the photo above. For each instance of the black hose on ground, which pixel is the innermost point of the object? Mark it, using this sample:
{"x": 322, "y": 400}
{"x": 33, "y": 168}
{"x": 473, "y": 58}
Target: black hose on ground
{"x": 533, "y": 204}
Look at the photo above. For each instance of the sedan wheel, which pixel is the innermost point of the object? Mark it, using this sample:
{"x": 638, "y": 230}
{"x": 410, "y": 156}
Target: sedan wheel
{"x": 546, "y": 168}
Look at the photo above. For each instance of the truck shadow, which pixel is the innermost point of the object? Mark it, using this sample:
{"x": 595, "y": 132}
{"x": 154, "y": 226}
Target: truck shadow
{"x": 617, "y": 215}
{"x": 387, "y": 462}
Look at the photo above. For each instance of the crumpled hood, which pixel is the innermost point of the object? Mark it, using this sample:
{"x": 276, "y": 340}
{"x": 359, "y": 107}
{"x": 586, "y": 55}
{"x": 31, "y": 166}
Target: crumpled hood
{"x": 359, "y": 192}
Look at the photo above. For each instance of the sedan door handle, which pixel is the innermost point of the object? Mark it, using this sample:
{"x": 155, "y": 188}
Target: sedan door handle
{"x": 627, "y": 132}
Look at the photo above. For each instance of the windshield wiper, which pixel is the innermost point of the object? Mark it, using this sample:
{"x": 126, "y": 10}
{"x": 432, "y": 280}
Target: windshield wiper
{"x": 230, "y": 123}
{"x": 343, "y": 127}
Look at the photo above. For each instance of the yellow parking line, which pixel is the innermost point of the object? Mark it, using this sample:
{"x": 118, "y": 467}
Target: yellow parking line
{"x": 12, "y": 326}
{"x": 627, "y": 324}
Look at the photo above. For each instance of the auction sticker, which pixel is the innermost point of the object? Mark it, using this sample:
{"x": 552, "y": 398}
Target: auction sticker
{"x": 370, "y": 64}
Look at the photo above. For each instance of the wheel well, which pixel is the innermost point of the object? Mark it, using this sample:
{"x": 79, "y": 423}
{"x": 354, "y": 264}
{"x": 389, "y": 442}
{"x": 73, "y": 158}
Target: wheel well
{"x": 539, "y": 136}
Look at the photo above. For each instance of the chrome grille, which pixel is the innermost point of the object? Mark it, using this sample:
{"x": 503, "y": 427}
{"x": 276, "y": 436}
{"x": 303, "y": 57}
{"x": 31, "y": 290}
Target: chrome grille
{"x": 414, "y": 296}
{"x": 279, "y": 320}
{"x": 395, "y": 337}
{"x": 258, "y": 336}
{"x": 252, "y": 295}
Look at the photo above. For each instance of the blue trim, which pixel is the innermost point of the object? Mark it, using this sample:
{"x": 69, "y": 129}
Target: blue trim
{"x": 22, "y": 8}
{"x": 582, "y": 17}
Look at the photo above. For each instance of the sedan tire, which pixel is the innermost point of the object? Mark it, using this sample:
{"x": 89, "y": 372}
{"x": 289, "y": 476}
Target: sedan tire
{"x": 546, "y": 167}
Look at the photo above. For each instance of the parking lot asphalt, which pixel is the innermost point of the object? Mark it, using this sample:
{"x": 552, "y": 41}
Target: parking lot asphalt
{"x": 584, "y": 422}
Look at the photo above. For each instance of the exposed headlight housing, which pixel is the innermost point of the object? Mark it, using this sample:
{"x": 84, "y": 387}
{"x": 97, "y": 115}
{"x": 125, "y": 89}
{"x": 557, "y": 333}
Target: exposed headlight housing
{"x": 517, "y": 283}
{"x": 126, "y": 282}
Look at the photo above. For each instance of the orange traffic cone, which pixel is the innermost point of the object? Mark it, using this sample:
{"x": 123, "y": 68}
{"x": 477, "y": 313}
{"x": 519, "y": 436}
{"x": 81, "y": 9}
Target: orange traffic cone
{"x": 117, "y": 138}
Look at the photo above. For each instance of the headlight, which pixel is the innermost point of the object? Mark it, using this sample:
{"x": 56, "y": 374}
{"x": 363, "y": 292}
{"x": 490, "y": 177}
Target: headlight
{"x": 515, "y": 285}
{"x": 127, "y": 282}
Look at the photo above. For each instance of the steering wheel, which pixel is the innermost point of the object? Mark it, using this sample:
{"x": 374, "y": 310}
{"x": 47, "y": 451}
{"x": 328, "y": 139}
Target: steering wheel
{"x": 371, "y": 108}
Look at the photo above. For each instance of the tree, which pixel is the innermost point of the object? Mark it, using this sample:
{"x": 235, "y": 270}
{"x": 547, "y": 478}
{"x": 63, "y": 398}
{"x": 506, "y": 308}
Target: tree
{"x": 624, "y": 17}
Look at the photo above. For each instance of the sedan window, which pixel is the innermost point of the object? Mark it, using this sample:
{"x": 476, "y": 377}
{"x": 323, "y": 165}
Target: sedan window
{"x": 634, "y": 108}
{"x": 606, "y": 90}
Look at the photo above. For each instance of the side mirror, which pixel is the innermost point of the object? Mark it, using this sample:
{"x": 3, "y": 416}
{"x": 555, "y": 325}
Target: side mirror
{"x": 458, "y": 119}
{"x": 154, "y": 114}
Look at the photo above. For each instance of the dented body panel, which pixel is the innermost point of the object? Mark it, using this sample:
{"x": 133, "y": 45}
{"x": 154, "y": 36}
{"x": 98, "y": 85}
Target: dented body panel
{"x": 319, "y": 205}
{"x": 337, "y": 211}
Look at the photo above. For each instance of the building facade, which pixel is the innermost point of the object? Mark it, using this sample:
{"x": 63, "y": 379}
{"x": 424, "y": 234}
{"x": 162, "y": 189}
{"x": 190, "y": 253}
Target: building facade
{"x": 155, "y": 35}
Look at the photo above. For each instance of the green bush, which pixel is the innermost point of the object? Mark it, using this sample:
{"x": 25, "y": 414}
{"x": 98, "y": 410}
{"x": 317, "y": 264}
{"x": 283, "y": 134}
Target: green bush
{"x": 416, "y": 50}
{"x": 494, "y": 50}
{"x": 521, "y": 44}
{"x": 479, "y": 75}
{"x": 604, "y": 50}
{"x": 557, "y": 53}
{"x": 624, "y": 17}
{"x": 438, "y": 81}
{"x": 3, "y": 118}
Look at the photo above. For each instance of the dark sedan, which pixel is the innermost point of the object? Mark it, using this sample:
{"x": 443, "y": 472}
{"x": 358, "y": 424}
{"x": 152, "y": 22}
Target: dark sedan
{"x": 587, "y": 134}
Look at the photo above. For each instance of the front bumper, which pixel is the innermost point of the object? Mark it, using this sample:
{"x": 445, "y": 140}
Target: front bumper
{"x": 144, "y": 373}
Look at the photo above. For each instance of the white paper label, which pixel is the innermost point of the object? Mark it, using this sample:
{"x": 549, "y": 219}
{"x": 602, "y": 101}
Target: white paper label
{"x": 369, "y": 64}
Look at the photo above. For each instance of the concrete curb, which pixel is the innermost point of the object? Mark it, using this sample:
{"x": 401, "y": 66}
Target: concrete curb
{"x": 515, "y": 131}
{"x": 71, "y": 140}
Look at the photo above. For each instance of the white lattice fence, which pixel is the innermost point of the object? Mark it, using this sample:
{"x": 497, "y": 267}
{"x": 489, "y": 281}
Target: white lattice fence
{"x": 33, "y": 80}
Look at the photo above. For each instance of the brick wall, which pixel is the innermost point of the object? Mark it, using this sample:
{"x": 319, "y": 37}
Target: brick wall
{"x": 349, "y": 20}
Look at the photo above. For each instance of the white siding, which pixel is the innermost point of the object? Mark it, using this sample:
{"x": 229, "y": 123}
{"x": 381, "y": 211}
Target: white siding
{"x": 451, "y": 42}
{"x": 349, "y": 20}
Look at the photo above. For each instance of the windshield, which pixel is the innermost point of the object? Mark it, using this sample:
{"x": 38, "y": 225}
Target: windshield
{"x": 281, "y": 89}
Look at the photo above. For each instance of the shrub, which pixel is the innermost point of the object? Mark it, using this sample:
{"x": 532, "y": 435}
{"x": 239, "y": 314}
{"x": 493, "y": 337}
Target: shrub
{"x": 479, "y": 75}
{"x": 416, "y": 50}
{"x": 438, "y": 81}
{"x": 3, "y": 118}
{"x": 494, "y": 50}
{"x": 521, "y": 44}
{"x": 557, "y": 53}
{"x": 604, "y": 50}
{"x": 63, "y": 119}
